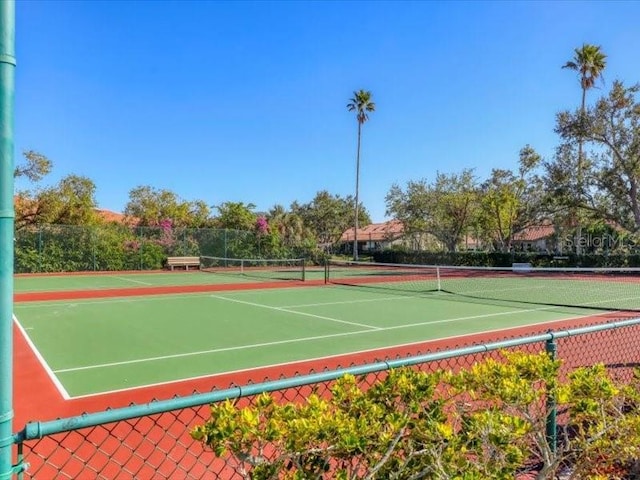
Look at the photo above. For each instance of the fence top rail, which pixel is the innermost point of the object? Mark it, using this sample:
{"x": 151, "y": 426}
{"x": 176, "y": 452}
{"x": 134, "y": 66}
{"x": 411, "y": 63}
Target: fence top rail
{"x": 37, "y": 430}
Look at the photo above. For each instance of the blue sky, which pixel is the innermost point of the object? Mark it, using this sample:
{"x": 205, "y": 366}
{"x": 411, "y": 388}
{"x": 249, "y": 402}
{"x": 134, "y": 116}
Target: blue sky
{"x": 246, "y": 101}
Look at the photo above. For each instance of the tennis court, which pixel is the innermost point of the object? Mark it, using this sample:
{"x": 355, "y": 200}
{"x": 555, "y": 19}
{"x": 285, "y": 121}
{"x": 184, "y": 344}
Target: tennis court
{"x": 100, "y": 345}
{"x": 231, "y": 271}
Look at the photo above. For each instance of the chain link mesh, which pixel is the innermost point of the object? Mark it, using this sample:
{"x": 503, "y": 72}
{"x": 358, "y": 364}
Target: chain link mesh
{"x": 114, "y": 247}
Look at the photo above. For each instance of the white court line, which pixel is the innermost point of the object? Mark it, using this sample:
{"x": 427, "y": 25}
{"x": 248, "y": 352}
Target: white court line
{"x": 42, "y": 361}
{"x": 299, "y": 340}
{"x": 141, "y": 298}
{"x": 471, "y": 292}
{"x": 295, "y": 340}
{"x": 99, "y": 287}
{"x": 133, "y": 280}
{"x": 317, "y": 359}
{"x": 347, "y": 302}
{"x": 206, "y": 352}
{"x": 179, "y": 296}
{"x": 304, "y": 314}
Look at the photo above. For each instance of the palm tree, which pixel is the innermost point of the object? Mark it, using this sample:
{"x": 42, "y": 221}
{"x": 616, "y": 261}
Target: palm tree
{"x": 362, "y": 104}
{"x": 589, "y": 62}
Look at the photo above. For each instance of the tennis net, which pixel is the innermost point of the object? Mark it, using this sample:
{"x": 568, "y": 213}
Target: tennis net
{"x": 262, "y": 268}
{"x": 597, "y": 288}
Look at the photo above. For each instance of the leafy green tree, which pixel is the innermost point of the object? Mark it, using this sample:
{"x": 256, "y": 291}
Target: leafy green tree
{"x": 236, "y": 216}
{"x": 615, "y": 127}
{"x": 510, "y": 202}
{"x": 445, "y": 209}
{"x": 70, "y": 202}
{"x": 612, "y": 175}
{"x": 151, "y": 206}
{"x": 328, "y": 216}
{"x": 562, "y": 199}
{"x": 73, "y": 201}
{"x": 589, "y": 62}
{"x": 199, "y": 214}
{"x": 362, "y": 104}
{"x": 35, "y": 167}
{"x": 289, "y": 225}
{"x": 412, "y": 207}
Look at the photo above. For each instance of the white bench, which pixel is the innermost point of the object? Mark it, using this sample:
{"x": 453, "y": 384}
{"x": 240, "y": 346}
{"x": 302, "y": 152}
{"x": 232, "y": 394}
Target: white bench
{"x": 521, "y": 267}
{"x": 185, "y": 262}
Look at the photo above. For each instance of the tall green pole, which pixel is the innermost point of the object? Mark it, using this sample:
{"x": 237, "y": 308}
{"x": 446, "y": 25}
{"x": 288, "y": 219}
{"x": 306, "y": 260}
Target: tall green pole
{"x": 7, "y": 75}
{"x": 551, "y": 348}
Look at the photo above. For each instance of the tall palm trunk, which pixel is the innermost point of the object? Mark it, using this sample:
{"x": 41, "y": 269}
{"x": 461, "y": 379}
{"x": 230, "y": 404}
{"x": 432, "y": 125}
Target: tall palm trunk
{"x": 355, "y": 220}
{"x": 580, "y": 173}
{"x": 360, "y": 103}
{"x": 588, "y": 62}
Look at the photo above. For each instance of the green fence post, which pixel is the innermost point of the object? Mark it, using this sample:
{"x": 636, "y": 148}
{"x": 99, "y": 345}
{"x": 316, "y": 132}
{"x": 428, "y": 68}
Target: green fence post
{"x": 551, "y": 348}
{"x": 140, "y": 248}
{"x": 326, "y": 271}
{"x": 39, "y": 248}
{"x": 94, "y": 239}
{"x": 7, "y": 220}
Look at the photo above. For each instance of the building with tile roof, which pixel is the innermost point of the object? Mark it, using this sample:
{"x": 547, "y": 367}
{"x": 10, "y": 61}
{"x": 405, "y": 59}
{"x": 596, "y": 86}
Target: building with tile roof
{"x": 376, "y": 236}
{"x": 110, "y": 216}
{"x": 536, "y": 238}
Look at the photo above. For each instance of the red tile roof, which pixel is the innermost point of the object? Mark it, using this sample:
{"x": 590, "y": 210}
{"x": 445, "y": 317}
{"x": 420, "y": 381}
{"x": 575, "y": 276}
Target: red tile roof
{"x": 376, "y": 232}
{"x": 534, "y": 233}
{"x": 111, "y": 216}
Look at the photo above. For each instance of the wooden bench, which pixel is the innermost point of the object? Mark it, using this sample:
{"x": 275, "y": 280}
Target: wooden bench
{"x": 185, "y": 262}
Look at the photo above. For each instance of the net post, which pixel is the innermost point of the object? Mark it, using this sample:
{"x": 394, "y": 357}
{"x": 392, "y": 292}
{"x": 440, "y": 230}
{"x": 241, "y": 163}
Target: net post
{"x": 438, "y": 277}
{"x": 304, "y": 277}
{"x": 242, "y": 266}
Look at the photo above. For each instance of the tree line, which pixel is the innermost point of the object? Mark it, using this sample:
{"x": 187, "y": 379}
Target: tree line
{"x": 72, "y": 201}
{"x": 591, "y": 182}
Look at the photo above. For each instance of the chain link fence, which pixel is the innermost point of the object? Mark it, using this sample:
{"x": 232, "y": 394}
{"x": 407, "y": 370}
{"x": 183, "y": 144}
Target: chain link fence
{"x": 152, "y": 441}
{"x": 115, "y": 247}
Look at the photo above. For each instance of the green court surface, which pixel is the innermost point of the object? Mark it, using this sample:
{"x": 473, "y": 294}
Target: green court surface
{"x": 62, "y": 282}
{"x": 102, "y": 345}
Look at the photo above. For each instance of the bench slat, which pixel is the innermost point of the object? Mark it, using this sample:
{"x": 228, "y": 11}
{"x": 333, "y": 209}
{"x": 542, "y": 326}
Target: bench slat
{"x": 183, "y": 262}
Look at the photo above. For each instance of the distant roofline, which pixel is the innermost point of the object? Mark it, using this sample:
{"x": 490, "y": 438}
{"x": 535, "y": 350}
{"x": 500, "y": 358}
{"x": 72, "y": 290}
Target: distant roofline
{"x": 389, "y": 230}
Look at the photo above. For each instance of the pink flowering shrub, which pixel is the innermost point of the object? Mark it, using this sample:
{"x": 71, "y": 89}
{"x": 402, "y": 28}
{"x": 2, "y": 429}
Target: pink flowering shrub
{"x": 166, "y": 224}
{"x": 262, "y": 226}
{"x": 167, "y": 235}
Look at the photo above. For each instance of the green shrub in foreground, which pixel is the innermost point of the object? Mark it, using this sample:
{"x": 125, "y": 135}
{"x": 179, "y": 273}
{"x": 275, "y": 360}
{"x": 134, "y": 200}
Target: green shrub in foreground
{"x": 485, "y": 422}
